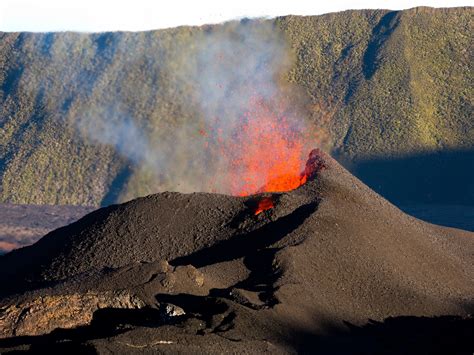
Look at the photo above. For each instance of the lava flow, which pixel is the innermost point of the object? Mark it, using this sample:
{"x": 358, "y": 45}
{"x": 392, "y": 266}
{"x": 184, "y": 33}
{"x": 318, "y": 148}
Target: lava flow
{"x": 263, "y": 205}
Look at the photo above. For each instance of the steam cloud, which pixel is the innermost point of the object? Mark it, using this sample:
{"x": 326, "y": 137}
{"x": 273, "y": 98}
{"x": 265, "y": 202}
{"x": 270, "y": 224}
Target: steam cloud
{"x": 242, "y": 108}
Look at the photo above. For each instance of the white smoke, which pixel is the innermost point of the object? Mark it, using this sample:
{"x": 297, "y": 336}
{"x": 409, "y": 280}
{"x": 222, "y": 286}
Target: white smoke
{"x": 223, "y": 71}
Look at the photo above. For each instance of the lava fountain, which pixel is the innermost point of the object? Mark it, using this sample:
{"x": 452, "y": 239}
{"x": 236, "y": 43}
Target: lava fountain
{"x": 266, "y": 152}
{"x": 315, "y": 163}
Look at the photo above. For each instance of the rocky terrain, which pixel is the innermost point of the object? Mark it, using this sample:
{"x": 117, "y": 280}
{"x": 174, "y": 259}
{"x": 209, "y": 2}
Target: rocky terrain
{"x": 333, "y": 266}
{"x": 330, "y": 267}
{"x": 22, "y": 225}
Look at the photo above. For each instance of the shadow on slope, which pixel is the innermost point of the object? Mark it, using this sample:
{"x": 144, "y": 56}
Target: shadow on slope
{"x": 380, "y": 34}
{"x": 118, "y": 185}
{"x": 255, "y": 248}
{"x": 105, "y": 323}
{"x": 240, "y": 246}
{"x": 430, "y": 180}
{"x": 395, "y": 335}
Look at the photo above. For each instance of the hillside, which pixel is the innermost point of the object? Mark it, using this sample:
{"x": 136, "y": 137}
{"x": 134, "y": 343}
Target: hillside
{"x": 394, "y": 88}
{"x": 331, "y": 268}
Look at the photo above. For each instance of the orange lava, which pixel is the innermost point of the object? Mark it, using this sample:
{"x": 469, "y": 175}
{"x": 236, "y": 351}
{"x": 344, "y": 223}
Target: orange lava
{"x": 266, "y": 152}
{"x": 263, "y": 205}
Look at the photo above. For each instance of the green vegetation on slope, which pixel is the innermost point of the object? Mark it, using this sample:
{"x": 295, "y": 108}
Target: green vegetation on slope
{"x": 383, "y": 84}
{"x": 394, "y": 82}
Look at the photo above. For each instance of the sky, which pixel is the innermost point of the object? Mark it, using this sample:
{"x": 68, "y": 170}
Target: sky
{"x": 138, "y": 15}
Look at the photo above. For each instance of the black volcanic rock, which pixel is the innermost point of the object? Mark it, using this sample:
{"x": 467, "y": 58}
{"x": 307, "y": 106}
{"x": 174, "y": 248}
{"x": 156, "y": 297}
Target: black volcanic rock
{"x": 305, "y": 275}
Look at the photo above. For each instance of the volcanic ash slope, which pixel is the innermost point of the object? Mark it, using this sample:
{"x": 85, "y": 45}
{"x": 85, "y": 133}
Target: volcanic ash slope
{"x": 201, "y": 272}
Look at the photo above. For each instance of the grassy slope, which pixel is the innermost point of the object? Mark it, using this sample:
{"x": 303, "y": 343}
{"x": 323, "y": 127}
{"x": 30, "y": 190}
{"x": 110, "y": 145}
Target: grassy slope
{"x": 398, "y": 83}
{"x": 387, "y": 84}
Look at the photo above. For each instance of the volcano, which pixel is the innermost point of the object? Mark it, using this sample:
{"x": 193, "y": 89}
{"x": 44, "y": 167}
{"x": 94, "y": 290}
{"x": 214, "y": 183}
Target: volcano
{"x": 329, "y": 267}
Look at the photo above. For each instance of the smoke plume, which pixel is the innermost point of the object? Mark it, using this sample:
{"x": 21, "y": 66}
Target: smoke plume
{"x": 247, "y": 131}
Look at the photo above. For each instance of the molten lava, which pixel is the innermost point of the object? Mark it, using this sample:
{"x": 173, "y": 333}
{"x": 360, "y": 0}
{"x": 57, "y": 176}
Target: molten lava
{"x": 266, "y": 152}
{"x": 316, "y": 162}
{"x": 263, "y": 205}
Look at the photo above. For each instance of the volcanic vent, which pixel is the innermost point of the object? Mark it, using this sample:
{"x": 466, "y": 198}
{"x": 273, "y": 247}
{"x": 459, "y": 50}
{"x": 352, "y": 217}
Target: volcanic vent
{"x": 246, "y": 130}
{"x": 199, "y": 272}
{"x": 287, "y": 182}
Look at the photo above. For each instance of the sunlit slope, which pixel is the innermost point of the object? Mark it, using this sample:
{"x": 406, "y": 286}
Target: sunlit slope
{"x": 385, "y": 84}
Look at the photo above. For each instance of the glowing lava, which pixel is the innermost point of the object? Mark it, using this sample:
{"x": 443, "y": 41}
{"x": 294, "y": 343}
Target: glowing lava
{"x": 263, "y": 205}
{"x": 266, "y": 152}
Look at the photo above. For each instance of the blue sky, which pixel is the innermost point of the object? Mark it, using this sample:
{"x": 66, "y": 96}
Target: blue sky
{"x": 135, "y": 15}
